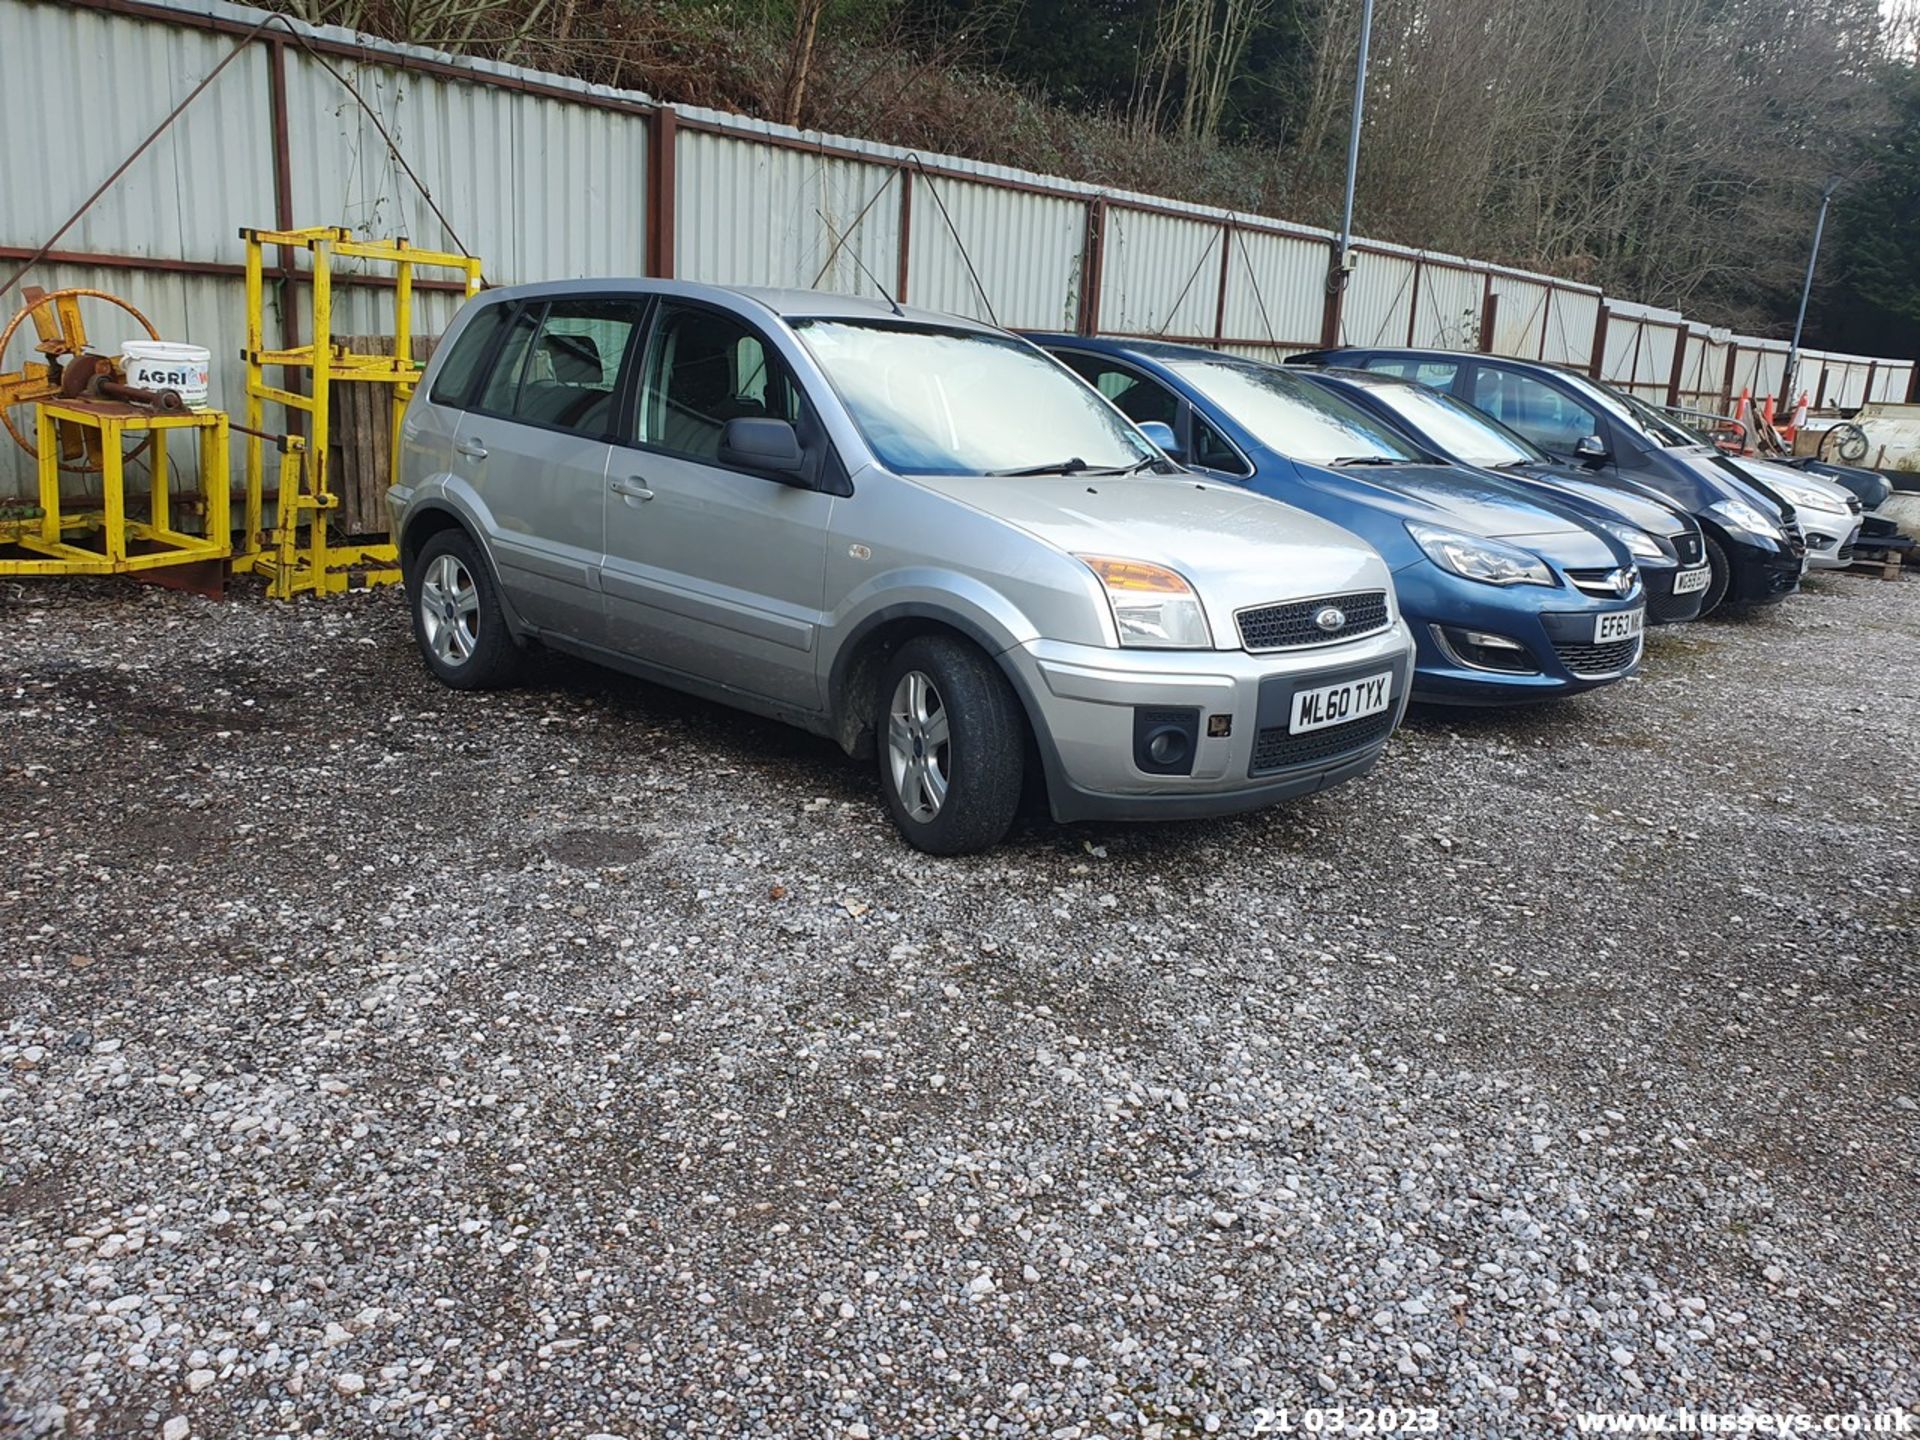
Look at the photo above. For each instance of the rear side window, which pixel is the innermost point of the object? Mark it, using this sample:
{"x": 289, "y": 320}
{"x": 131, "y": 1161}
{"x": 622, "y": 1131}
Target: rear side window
{"x": 561, "y": 374}
{"x": 455, "y": 381}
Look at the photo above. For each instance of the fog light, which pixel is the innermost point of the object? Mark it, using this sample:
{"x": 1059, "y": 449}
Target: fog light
{"x": 1164, "y": 741}
{"x": 1483, "y": 650}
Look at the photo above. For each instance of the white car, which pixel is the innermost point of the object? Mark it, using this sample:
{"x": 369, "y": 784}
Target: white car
{"x": 1828, "y": 513}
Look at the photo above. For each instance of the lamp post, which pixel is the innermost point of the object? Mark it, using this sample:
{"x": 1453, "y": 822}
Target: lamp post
{"x": 1806, "y": 290}
{"x": 1353, "y": 144}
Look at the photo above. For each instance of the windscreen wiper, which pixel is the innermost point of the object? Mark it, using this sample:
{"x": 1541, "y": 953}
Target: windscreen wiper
{"x": 1058, "y": 467}
{"x": 1345, "y": 460}
{"x": 1133, "y": 469}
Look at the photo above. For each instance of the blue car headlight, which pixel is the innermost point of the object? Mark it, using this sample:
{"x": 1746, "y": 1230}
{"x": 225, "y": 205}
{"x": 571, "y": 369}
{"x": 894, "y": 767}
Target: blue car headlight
{"x": 1472, "y": 558}
{"x": 1643, "y": 545}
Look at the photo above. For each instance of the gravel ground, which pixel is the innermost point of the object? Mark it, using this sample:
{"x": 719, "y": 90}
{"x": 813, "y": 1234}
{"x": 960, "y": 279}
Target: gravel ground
{"x": 585, "y": 1060}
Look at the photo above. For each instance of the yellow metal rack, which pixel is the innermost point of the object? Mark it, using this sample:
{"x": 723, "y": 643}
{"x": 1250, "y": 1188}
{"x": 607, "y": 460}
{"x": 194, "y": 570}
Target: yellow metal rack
{"x": 125, "y": 546}
{"x": 293, "y": 564}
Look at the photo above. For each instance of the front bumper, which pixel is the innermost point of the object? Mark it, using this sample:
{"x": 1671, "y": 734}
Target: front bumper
{"x": 1552, "y": 626}
{"x": 1665, "y": 605}
{"x": 1758, "y": 574}
{"x": 1831, "y": 536}
{"x": 1086, "y": 702}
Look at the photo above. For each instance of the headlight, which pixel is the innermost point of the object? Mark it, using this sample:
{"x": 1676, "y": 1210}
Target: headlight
{"x": 1806, "y": 497}
{"x": 1643, "y": 545}
{"x": 1475, "y": 559}
{"x": 1152, "y": 606}
{"x": 1739, "y": 515}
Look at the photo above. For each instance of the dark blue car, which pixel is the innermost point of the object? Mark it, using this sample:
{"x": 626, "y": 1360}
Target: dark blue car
{"x": 1754, "y": 544}
{"x": 1666, "y": 543}
{"x": 1511, "y": 598}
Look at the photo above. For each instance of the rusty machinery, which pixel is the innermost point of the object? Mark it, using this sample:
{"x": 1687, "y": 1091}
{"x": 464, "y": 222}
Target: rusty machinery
{"x": 85, "y": 414}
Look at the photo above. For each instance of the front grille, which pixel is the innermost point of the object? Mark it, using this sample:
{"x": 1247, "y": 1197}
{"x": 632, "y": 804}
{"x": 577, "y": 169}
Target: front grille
{"x": 1796, "y": 539}
{"x": 1290, "y": 626}
{"x": 1665, "y": 607}
{"x": 1598, "y": 582}
{"x": 1846, "y": 550}
{"x": 1275, "y": 749}
{"x": 1689, "y": 547}
{"x": 1853, "y": 505}
{"x": 1599, "y": 659}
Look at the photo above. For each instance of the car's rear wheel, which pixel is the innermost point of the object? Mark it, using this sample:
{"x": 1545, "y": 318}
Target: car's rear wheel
{"x": 1719, "y": 575}
{"x": 952, "y": 746}
{"x": 457, "y": 622}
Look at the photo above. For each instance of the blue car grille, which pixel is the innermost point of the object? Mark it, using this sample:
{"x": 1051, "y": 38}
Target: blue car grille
{"x": 1689, "y": 547}
{"x": 1276, "y": 749}
{"x": 1605, "y": 659}
{"x": 1292, "y": 625}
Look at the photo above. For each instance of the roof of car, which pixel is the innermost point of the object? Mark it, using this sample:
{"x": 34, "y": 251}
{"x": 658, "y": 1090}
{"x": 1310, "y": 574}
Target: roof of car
{"x": 1428, "y": 352}
{"x": 1165, "y": 351}
{"x": 791, "y": 304}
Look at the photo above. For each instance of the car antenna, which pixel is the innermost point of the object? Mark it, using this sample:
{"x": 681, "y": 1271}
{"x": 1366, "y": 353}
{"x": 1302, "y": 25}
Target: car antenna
{"x": 972, "y": 274}
{"x": 838, "y": 240}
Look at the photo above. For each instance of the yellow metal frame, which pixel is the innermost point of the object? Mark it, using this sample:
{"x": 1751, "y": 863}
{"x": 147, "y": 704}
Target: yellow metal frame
{"x": 291, "y": 563}
{"x": 160, "y": 544}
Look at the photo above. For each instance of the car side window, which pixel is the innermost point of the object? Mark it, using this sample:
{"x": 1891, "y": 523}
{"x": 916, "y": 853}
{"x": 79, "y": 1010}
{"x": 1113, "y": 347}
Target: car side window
{"x": 1435, "y": 374}
{"x": 1537, "y": 410}
{"x": 569, "y": 370}
{"x": 703, "y": 369}
{"x": 1212, "y": 451}
{"x": 454, "y": 383}
{"x": 1133, "y": 394}
{"x": 503, "y": 383}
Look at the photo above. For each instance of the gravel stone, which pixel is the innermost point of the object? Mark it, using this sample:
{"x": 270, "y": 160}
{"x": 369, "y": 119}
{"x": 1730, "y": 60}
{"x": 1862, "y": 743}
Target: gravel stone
{"x": 585, "y": 1061}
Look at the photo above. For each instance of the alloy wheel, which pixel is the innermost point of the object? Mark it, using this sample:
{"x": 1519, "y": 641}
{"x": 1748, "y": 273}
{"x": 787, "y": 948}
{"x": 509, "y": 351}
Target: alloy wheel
{"x": 919, "y": 748}
{"x": 450, "y": 610}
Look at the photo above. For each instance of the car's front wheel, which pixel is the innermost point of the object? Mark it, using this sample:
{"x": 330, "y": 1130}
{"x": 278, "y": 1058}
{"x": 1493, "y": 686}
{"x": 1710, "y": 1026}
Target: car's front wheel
{"x": 952, "y": 746}
{"x": 457, "y": 622}
{"x": 1719, "y": 576}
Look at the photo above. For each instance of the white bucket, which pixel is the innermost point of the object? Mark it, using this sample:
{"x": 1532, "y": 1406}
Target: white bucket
{"x": 168, "y": 365}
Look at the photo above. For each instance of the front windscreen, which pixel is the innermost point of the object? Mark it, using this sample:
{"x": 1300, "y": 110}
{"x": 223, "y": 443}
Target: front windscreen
{"x": 1456, "y": 428}
{"x": 1295, "y": 416}
{"x": 1634, "y": 412}
{"x": 933, "y": 401}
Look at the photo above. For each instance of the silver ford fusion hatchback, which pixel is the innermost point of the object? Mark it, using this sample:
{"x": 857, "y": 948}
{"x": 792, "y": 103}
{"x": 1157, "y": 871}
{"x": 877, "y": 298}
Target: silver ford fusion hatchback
{"x": 914, "y": 534}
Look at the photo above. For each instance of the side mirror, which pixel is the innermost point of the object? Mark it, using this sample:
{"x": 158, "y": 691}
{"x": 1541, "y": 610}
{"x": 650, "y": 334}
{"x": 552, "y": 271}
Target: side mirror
{"x": 1161, "y": 434}
{"x": 766, "y": 447}
{"x": 1591, "y": 449}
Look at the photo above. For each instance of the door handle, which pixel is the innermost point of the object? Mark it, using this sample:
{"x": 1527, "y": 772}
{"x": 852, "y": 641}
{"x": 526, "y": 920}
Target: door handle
{"x": 631, "y": 489}
{"x": 472, "y": 449}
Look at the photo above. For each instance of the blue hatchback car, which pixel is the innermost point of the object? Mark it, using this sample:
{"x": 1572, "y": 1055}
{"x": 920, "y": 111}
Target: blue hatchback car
{"x": 1511, "y": 598}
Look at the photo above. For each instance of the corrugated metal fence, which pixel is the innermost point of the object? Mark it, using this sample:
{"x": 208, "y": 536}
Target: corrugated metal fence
{"x": 547, "y": 177}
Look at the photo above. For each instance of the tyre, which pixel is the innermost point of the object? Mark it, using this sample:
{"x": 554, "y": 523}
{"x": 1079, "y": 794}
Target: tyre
{"x": 952, "y": 746}
{"x": 1719, "y": 577}
{"x": 457, "y": 623}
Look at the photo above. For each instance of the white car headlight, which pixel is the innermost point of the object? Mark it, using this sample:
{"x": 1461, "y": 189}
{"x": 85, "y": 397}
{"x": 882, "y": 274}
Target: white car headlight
{"x": 1805, "y": 497}
{"x": 1153, "y": 607}
{"x": 1643, "y": 545}
{"x": 1739, "y": 515}
{"x": 1473, "y": 558}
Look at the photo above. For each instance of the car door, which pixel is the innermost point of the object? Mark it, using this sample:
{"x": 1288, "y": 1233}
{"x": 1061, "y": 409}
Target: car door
{"x": 1543, "y": 412}
{"x": 711, "y": 570}
{"x": 1142, "y": 398}
{"x": 533, "y": 448}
